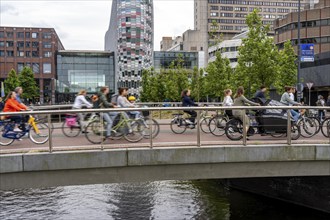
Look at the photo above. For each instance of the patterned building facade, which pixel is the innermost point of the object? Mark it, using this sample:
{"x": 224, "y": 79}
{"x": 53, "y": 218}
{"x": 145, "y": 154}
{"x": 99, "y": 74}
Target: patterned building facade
{"x": 130, "y": 36}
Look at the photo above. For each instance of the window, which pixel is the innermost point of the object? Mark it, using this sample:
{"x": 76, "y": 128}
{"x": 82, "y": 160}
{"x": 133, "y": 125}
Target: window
{"x": 2, "y": 43}
{"x": 10, "y": 53}
{"x": 47, "y": 54}
{"x": 35, "y": 44}
{"x": 35, "y": 35}
{"x": 214, "y": 14}
{"x": 20, "y": 67}
{"x": 27, "y": 34}
{"x": 10, "y": 34}
{"x": 20, "y": 35}
{"x": 27, "y": 53}
{"x": 35, "y": 67}
{"x": 47, "y": 35}
{"x": 35, "y": 53}
{"x": 20, "y": 53}
{"x": 47, "y": 68}
{"x": 214, "y": 7}
{"x": 20, "y": 44}
{"x": 27, "y": 44}
{"x": 9, "y": 43}
{"x": 2, "y": 53}
{"x": 47, "y": 45}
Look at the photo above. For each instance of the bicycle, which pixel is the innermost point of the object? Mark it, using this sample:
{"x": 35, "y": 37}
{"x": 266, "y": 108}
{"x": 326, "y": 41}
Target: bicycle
{"x": 38, "y": 132}
{"x": 218, "y": 123}
{"x": 325, "y": 128}
{"x": 180, "y": 123}
{"x": 71, "y": 125}
{"x": 131, "y": 129}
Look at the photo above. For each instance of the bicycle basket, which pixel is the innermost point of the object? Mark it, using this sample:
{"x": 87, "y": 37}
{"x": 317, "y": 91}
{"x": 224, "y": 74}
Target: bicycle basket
{"x": 145, "y": 113}
{"x": 71, "y": 121}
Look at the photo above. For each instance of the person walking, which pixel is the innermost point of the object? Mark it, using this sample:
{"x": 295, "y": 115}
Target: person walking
{"x": 188, "y": 102}
{"x": 240, "y": 100}
{"x": 79, "y": 102}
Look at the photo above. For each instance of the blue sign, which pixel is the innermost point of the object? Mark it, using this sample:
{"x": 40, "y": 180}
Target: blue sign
{"x": 307, "y": 52}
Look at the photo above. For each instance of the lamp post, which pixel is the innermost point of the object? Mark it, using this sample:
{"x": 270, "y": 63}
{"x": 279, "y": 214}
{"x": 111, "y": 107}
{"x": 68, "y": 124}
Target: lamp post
{"x": 53, "y": 90}
{"x": 298, "y": 50}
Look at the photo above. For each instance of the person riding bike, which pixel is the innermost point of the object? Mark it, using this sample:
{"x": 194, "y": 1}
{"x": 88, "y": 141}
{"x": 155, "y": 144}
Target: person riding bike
{"x": 12, "y": 105}
{"x": 287, "y": 100}
{"x": 228, "y": 101}
{"x": 79, "y": 102}
{"x": 188, "y": 102}
{"x": 124, "y": 103}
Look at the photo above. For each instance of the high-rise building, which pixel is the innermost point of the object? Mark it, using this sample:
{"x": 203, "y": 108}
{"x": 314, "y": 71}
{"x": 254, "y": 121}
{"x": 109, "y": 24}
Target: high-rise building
{"x": 33, "y": 47}
{"x": 130, "y": 36}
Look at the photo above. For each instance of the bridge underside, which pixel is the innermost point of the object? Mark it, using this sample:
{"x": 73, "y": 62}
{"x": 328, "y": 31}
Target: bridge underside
{"x": 188, "y": 163}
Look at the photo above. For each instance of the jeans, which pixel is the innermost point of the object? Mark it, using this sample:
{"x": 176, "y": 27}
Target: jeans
{"x": 135, "y": 113}
{"x": 295, "y": 115}
{"x": 109, "y": 120}
{"x": 321, "y": 115}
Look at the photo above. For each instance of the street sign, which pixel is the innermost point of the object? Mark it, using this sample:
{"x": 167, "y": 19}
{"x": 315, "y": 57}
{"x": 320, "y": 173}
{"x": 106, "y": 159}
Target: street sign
{"x": 309, "y": 85}
{"x": 307, "y": 52}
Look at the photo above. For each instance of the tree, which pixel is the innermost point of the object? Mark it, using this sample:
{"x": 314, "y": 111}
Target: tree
{"x": 219, "y": 76}
{"x": 287, "y": 74}
{"x": 198, "y": 84}
{"x": 11, "y": 82}
{"x": 27, "y": 82}
{"x": 258, "y": 56}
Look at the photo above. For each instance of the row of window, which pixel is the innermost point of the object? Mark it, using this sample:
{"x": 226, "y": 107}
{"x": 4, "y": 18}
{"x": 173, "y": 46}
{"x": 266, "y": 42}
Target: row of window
{"x": 47, "y": 67}
{"x": 26, "y": 44}
{"x": 11, "y": 53}
{"x": 271, "y": 10}
{"x": 35, "y": 35}
{"x": 312, "y": 40}
{"x": 240, "y": 2}
{"x": 292, "y": 26}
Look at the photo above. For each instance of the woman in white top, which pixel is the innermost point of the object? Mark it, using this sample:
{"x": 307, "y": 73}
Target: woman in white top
{"x": 228, "y": 101}
{"x": 79, "y": 102}
{"x": 124, "y": 103}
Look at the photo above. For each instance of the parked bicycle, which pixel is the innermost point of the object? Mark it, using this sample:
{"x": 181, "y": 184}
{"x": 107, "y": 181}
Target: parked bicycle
{"x": 37, "y": 132}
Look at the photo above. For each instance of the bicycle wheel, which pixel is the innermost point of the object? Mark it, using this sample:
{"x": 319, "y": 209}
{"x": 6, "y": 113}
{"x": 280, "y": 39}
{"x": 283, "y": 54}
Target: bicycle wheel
{"x": 95, "y": 132}
{"x": 204, "y": 124}
{"x": 317, "y": 123}
{"x": 3, "y": 140}
{"x": 217, "y": 125}
{"x": 277, "y": 135}
{"x": 234, "y": 130}
{"x": 70, "y": 131}
{"x": 136, "y": 134}
{"x": 41, "y": 136}
{"x": 295, "y": 132}
{"x": 326, "y": 127}
{"x": 178, "y": 125}
{"x": 151, "y": 124}
{"x": 307, "y": 127}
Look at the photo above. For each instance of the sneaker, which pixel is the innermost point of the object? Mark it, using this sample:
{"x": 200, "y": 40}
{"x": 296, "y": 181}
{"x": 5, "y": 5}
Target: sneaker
{"x": 17, "y": 130}
{"x": 130, "y": 131}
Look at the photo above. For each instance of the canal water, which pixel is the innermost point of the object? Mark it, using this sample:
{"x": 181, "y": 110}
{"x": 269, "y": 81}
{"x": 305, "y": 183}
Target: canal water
{"x": 167, "y": 200}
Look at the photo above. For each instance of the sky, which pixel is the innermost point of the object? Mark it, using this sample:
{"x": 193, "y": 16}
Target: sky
{"x": 81, "y": 24}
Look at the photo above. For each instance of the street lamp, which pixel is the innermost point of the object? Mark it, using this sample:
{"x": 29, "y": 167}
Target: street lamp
{"x": 53, "y": 91}
{"x": 298, "y": 50}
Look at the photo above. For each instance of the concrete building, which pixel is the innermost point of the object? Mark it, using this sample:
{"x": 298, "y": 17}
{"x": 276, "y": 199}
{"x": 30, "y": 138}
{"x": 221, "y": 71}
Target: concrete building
{"x": 87, "y": 70}
{"x": 171, "y": 44}
{"x": 34, "y": 47}
{"x": 130, "y": 36}
{"x": 315, "y": 29}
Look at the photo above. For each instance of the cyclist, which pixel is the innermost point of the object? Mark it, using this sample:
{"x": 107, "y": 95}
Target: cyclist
{"x": 240, "y": 100}
{"x": 131, "y": 99}
{"x": 79, "y": 102}
{"x": 228, "y": 101}
{"x": 103, "y": 103}
{"x": 188, "y": 102}
{"x": 287, "y": 100}
{"x": 261, "y": 92}
{"x": 12, "y": 105}
{"x": 124, "y": 103}
{"x": 19, "y": 92}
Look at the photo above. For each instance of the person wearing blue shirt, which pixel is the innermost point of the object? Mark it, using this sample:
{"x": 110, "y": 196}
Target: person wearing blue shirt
{"x": 188, "y": 102}
{"x": 261, "y": 93}
{"x": 19, "y": 92}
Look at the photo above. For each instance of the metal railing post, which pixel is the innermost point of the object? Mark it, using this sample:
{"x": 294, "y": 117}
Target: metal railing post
{"x": 288, "y": 134}
{"x": 244, "y": 128}
{"x": 102, "y": 129}
{"x": 151, "y": 131}
{"x": 198, "y": 128}
{"x": 50, "y": 138}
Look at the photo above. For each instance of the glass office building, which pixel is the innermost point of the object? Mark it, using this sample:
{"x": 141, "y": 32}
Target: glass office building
{"x": 164, "y": 59}
{"x": 89, "y": 70}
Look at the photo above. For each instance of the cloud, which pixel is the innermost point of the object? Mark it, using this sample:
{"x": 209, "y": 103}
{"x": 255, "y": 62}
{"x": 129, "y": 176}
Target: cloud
{"x": 10, "y": 9}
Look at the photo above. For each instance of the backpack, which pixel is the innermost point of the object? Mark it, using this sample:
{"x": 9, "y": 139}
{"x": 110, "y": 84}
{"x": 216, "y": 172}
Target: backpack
{"x": 96, "y": 101}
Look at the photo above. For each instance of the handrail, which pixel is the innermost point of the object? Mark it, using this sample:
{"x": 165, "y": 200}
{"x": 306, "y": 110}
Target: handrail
{"x": 215, "y": 108}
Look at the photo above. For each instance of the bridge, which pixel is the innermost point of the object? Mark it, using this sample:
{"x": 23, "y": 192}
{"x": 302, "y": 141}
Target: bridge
{"x": 192, "y": 155}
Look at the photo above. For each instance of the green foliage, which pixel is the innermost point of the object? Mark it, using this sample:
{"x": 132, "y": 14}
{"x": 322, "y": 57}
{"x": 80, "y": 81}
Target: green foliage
{"x": 27, "y": 82}
{"x": 287, "y": 74}
{"x": 11, "y": 82}
{"x": 258, "y": 56}
{"x": 219, "y": 77}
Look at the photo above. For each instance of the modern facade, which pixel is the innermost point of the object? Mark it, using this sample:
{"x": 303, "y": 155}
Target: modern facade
{"x": 34, "y": 47}
{"x": 130, "y": 36}
{"x": 89, "y": 70}
{"x": 315, "y": 29}
{"x": 190, "y": 60}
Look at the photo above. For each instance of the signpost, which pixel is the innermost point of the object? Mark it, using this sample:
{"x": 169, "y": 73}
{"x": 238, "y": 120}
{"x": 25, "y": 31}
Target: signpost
{"x": 307, "y": 52}
{"x": 309, "y": 85}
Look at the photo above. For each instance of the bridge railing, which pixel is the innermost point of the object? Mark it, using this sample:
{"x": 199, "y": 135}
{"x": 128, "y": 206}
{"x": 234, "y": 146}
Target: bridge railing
{"x": 59, "y": 142}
